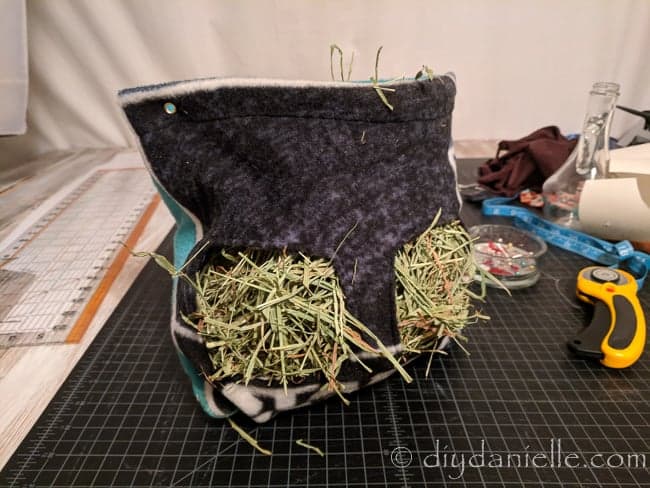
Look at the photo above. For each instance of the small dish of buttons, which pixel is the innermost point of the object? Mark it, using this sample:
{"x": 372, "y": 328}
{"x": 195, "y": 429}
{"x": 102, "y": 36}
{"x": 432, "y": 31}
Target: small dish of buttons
{"x": 510, "y": 254}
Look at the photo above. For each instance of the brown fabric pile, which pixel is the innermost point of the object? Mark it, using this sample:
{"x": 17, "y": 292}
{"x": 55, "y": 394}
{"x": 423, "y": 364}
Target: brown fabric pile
{"x": 527, "y": 162}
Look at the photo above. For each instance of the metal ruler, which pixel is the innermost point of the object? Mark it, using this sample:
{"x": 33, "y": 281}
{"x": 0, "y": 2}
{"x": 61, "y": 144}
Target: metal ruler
{"x": 54, "y": 275}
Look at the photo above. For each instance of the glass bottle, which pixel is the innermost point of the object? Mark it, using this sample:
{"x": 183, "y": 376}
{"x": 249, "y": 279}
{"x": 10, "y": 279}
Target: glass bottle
{"x": 589, "y": 159}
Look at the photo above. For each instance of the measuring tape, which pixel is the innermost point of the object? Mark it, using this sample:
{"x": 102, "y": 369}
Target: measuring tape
{"x": 598, "y": 250}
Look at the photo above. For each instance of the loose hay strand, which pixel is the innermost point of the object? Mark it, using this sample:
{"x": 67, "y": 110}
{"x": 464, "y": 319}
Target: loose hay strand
{"x": 302, "y": 443}
{"x": 248, "y": 438}
{"x": 375, "y": 83}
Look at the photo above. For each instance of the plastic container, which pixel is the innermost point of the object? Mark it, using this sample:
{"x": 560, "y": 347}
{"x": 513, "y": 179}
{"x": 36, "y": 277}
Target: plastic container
{"x": 508, "y": 253}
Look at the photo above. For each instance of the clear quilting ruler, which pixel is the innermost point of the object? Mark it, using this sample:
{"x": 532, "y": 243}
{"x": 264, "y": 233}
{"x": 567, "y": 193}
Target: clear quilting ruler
{"x": 54, "y": 274}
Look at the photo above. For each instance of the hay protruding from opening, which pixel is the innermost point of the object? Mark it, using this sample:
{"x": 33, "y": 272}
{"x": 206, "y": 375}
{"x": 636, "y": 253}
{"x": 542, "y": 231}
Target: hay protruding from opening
{"x": 281, "y": 318}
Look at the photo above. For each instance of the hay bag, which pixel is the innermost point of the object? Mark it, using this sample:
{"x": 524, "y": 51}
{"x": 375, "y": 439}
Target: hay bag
{"x": 317, "y": 248}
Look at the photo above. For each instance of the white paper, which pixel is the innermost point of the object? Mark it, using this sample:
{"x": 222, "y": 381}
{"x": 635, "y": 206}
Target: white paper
{"x": 617, "y": 208}
{"x": 630, "y": 160}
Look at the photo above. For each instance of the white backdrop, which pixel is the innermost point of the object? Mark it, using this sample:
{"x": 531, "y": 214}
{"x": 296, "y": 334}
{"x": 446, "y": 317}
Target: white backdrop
{"x": 13, "y": 67}
{"x": 519, "y": 64}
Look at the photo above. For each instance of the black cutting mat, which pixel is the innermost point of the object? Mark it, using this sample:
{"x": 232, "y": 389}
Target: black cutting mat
{"x": 126, "y": 415}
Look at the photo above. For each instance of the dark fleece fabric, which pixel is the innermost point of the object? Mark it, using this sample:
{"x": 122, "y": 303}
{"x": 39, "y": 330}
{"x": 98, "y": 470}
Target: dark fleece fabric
{"x": 327, "y": 171}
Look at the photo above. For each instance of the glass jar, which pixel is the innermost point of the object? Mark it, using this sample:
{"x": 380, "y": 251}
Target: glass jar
{"x": 589, "y": 159}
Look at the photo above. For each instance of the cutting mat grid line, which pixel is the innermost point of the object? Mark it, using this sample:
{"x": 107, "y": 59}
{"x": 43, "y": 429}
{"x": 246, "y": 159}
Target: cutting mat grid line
{"x": 60, "y": 259}
{"x": 126, "y": 415}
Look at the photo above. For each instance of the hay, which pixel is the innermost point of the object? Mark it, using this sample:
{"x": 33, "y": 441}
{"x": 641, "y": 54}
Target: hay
{"x": 280, "y": 318}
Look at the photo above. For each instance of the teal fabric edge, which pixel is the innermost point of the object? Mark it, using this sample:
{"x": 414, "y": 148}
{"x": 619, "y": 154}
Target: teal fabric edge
{"x": 185, "y": 235}
{"x": 185, "y": 238}
{"x": 197, "y": 388}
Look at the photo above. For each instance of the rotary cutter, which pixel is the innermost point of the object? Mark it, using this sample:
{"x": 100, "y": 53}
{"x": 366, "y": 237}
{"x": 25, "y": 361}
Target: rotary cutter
{"x": 617, "y": 333}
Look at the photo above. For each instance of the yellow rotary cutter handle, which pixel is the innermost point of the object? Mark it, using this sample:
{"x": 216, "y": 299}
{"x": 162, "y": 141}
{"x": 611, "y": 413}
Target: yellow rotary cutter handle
{"x": 616, "y": 334}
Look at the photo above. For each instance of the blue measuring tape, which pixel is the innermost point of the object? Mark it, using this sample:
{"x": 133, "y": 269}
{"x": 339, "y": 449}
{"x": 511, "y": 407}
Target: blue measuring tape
{"x": 598, "y": 250}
